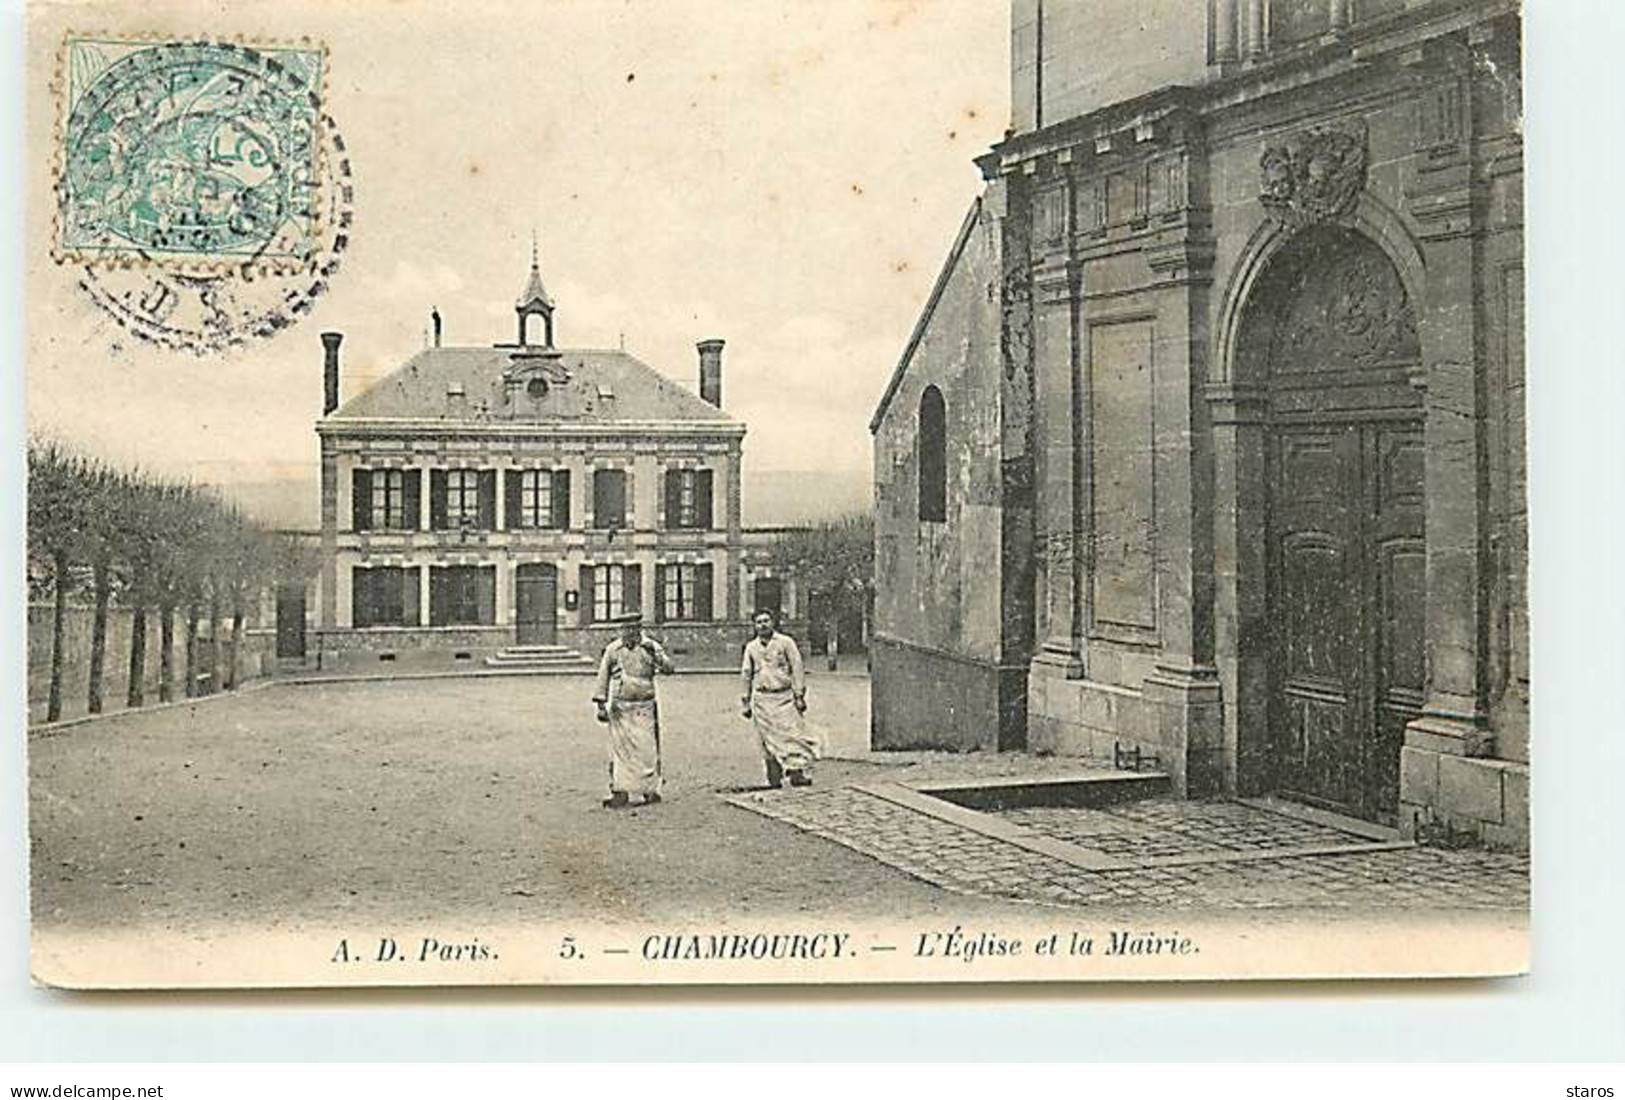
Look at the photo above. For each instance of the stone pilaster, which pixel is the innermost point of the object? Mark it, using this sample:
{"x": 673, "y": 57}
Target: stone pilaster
{"x": 1188, "y": 723}
{"x": 735, "y": 527}
{"x": 1183, "y": 485}
{"x": 1225, "y": 28}
{"x": 1257, "y": 29}
{"x": 1183, "y": 694}
{"x": 1016, "y": 543}
{"x": 652, "y": 595}
{"x": 425, "y": 493}
{"x": 1060, "y": 439}
{"x": 330, "y": 516}
{"x": 580, "y": 491}
{"x": 1241, "y": 626}
{"x": 1454, "y": 709}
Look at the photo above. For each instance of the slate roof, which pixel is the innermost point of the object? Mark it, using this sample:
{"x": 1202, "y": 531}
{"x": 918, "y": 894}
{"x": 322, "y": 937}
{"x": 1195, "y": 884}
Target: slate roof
{"x": 583, "y": 386}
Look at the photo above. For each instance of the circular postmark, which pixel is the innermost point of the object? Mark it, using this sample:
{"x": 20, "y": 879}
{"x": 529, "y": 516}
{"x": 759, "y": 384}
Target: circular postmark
{"x": 201, "y": 187}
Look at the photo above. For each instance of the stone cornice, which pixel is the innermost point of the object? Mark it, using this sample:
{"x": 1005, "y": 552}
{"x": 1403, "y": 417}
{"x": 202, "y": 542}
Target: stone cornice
{"x": 1147, "y": 123}
{"x": 496, "y": 430}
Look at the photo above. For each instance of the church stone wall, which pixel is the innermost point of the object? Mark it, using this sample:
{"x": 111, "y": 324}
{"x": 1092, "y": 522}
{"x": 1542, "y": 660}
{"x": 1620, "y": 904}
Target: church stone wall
{"x": 937, "y": 629}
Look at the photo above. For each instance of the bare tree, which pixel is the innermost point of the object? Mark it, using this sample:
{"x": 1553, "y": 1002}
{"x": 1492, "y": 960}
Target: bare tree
{"x": 180, "y": 518}
{"x": 106, "y": 517}
{"x": 58, "y": 513}
{"x": 834, "y": 559}
{"x": 144, "y": 534}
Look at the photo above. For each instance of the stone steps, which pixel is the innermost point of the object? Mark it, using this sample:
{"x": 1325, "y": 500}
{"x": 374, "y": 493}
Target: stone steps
{"x": 541, "y": 658}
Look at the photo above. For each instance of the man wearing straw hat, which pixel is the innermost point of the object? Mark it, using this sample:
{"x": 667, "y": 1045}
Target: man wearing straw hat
{"x": 626, "y": 702}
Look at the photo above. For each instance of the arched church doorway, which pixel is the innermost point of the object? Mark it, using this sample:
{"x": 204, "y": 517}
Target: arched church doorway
{"x": 1330, "y": 335}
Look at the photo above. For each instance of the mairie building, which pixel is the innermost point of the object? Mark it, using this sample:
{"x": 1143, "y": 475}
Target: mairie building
{"x": 487, "y": 501}
{"x": 1209, "y": 442}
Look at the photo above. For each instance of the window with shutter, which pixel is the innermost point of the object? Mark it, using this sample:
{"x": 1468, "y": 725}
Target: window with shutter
{"x": 609, "y": 499}
{"x": 462, "y": 499}
{"x": 702, "y": 593}
{"x": 688, "y": 500}
{"x": 378, "y": 596}
{"x": 462, "y": 595}
{"x": 388, "y": 504}
{"x": 513, "y": 507}
{"x": 413, "y": 496}
{"x": 411, "y": 597}
{"x": 533, "y": 507}
{"x": 561, "y": 500}
{"x": 438, "y": 510}
{"x": 684, "y": 592}
{"x": 360, "y": 599}
{"x": 609, "y": 591}
{"x": 632, "y": 588}
{"x": 360, "y": 500}
{"x": 439, "y": 604}
{"x": 768, "y": 595}
{"x": 588, "y": 595}
{"x": 487, "y": 516}
{"x": 674, "y": 496}
{"x": 703, "y": 516}
{"x": 485, "y": 595}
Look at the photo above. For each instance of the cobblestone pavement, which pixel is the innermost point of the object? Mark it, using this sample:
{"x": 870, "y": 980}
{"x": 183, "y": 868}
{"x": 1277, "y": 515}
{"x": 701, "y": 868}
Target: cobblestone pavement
{"x": 1161, "y": 828}
{"x": 964, "y": 860}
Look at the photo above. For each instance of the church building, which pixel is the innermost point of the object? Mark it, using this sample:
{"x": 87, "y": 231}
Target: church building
{"x": 508, "y": 501}
{"x": 1209, "y": 441}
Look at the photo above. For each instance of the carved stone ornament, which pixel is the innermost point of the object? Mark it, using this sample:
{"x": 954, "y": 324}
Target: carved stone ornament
{"x": 1314, "y": 176}
{"x": 550, "y": 368}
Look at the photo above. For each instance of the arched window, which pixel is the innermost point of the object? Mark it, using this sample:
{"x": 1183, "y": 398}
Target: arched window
{"x": 933, "y": 457}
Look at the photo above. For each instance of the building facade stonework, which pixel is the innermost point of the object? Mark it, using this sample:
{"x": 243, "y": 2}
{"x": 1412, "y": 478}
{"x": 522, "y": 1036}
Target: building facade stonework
{"x": 1229, "y": 356}
{"x": 525, "y": 494}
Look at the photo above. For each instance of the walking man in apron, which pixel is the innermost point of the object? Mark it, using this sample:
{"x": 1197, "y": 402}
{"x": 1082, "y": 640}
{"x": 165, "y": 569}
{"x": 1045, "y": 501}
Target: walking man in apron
{"x": 773, "y": 695}
{"x": 626, "y": 701}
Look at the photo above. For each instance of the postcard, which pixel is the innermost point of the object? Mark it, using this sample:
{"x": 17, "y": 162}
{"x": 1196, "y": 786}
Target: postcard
{"x": 677, "y": 492}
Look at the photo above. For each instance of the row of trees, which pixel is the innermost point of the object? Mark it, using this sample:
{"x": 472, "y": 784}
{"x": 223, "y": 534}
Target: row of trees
{"x": 834, "y": 560}
{"x": 158, "y": 547}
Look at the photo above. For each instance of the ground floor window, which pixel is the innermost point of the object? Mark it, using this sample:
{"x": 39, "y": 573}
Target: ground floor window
{"x": 462, "y": 595}
{"x": 768, "y": 595}
{"x": 384, "y": 596}
{"x": 685, "y": 592}
{"x": 611, "y": 590}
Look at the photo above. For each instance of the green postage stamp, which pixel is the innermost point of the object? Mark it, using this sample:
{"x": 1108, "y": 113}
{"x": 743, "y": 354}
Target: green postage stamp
{"x": 189, "y": 153}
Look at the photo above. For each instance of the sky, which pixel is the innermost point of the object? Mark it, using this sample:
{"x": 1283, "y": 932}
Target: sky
{"x": 785, "y": 176}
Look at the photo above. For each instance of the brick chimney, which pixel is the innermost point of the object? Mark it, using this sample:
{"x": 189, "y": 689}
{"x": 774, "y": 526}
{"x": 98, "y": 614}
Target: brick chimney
{"x": 330, "y": 370}
{"x": 434, "y": 316}
{"x": 711, "y": 371}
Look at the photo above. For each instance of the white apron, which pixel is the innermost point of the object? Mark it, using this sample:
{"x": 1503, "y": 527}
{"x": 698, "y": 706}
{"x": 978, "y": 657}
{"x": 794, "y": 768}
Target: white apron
{"x": 634, "y": 746}
{"x": 784, "y": 731}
